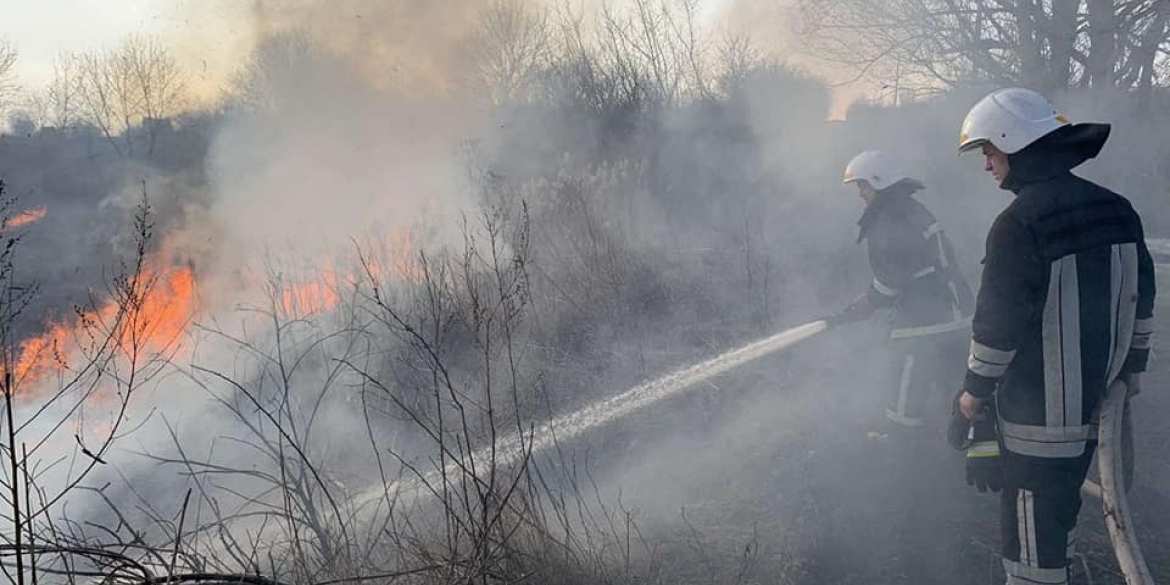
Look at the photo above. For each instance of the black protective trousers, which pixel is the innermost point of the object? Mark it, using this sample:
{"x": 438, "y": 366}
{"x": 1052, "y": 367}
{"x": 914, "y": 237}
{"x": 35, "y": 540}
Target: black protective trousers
{"x": 927, "y": 371}
{"x": 1038, "y": 510}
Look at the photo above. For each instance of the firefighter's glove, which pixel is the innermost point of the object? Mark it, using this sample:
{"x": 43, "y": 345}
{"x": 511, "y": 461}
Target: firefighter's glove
{"x": 858, "y": 310}
{"x": 984, "y": 469}
{"x": 838, "y": 318}
{"x": 959, "y": 431}
{"x": 832, "y": 320}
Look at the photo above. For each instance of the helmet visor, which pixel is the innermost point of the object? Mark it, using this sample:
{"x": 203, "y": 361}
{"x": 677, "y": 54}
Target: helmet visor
{"x": 969, "y": 144}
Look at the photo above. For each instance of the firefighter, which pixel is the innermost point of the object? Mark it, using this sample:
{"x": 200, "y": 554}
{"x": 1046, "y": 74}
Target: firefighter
{"x": 915, "y": 276}
{"x": 1064, "y": 309}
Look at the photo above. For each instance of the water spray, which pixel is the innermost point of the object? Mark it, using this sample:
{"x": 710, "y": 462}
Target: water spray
{"x": 570, "y": 426}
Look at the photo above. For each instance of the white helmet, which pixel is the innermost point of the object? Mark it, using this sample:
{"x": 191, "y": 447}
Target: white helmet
{"x": 1010, "y": 119}
{"x": 876, "y": 167}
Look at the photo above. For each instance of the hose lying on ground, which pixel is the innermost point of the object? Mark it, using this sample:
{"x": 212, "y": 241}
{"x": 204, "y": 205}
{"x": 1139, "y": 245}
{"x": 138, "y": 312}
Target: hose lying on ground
{"x": 1110, "y": 462}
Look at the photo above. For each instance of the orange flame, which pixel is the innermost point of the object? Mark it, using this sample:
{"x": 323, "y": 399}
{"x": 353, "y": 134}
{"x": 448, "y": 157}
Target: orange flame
{"x": 164, "y": 313}
{"x": 27, "y": 217}
{"x": 163, "y": 305}
{"x": 311, "y": 297}
{"x": 168, "y": 303}
{"x": 392, "y": 257}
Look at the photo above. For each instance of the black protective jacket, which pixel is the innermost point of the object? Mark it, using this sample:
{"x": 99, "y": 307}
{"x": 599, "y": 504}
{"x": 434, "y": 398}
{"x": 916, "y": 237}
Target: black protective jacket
{"x": 913, "y": 266}
{"x": 1066, "y": 301}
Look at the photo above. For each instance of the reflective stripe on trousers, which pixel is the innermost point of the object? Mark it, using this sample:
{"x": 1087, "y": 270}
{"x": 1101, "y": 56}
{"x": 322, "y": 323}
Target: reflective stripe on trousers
{"x": 906, "y": 382}
{"x": 1036, "y": 546}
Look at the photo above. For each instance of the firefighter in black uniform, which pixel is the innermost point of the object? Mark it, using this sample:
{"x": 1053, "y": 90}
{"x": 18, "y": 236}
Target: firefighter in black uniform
{"x": 1064, "y": 309}
{"x": 915, "y": 276}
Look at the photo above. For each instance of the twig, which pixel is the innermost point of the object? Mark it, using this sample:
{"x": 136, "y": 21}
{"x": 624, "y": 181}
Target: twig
{"x": 17, "y": 529}
{"x": 179, "y": 534}
{"x": 85, "y": 451}
{"x": 32, "y": 558}
{"x": 211, "y": 578}
{"x": 394, "y": 575}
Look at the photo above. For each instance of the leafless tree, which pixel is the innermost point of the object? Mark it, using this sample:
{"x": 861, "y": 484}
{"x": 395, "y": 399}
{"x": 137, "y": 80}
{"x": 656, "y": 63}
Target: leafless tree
{"x": 511, "y": 45}
{"x": 8, "y": 87}
{"x": 278, "y": 62}
{"x": 638, "y": 55}
{"x": 58, "y": 106}
{"x": 136, "y": 84}
{"x": 660, "y": 40}
{"x": 924, "y": 45}
{"x": 738, "y": 59}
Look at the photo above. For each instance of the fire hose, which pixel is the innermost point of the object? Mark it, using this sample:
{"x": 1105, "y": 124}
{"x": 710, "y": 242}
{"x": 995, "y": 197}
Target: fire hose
{"x": 1112, "y": 458}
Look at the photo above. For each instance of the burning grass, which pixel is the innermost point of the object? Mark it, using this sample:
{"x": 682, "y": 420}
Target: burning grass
{"x": 26, "y": 217}
{"x": 156, "y": 324}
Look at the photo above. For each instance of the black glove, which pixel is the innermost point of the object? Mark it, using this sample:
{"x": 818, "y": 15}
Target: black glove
{"x": 832, "y": 320}
{"x": 984, "y": 468}
{"x": 959, "y": 431}
{"x": 858, "y": 310}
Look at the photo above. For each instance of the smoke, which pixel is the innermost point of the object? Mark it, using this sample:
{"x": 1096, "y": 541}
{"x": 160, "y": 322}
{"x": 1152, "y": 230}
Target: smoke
{"x": 664, "y": 231}
{"x": 321, "y": 155}
{"x": 321, "y": 149}
{"x": 415, "y": 45}
{"x": 412, "y": 47}
{"x": 331, "y": 162}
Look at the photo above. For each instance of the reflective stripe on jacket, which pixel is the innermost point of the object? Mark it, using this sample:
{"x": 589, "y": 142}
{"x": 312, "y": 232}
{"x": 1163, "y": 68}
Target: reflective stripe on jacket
{"x": 1066, "y": 301}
